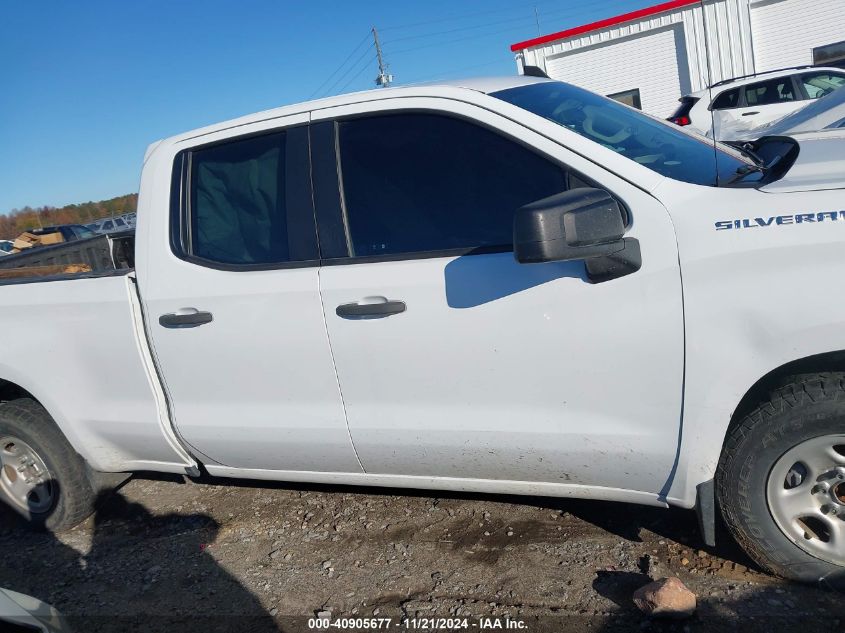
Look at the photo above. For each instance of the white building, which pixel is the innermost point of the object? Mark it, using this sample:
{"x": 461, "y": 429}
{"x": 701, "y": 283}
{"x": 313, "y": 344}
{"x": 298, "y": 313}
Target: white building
{"x": 651, "y": 57}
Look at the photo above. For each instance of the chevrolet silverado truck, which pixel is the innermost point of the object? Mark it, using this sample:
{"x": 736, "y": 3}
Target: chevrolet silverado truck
{"x": 506, "y": 285}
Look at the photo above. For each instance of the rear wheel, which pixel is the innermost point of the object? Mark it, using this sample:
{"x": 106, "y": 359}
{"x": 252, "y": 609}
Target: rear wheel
{"x": 41, "y": 477}
{"x": 781, "y": 480}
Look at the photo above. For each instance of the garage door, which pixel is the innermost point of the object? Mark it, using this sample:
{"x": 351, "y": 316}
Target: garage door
{"x": 648, "y": 62}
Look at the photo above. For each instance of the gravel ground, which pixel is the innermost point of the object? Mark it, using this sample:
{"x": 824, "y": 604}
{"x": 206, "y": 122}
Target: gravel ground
{"x": 165, "y": 554}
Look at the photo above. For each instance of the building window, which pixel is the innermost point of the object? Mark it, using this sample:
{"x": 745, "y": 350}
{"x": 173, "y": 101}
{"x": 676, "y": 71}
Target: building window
{"x": 628, "y": 97}
{"x": 830, "y": 55}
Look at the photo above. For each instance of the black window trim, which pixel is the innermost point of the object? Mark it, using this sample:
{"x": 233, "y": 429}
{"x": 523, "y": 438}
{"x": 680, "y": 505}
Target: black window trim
{"x": 180, "y": 225}
{"x": 324, "y": 215}
{"x": 740, "y": 99}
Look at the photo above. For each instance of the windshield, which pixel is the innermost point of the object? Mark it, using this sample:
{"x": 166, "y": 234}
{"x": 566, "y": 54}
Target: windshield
{"x": 661, "y": 147}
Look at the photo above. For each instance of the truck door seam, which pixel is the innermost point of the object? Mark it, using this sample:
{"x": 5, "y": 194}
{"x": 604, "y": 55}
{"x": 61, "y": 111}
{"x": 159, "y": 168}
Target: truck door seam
{"x": 334, "y": 368}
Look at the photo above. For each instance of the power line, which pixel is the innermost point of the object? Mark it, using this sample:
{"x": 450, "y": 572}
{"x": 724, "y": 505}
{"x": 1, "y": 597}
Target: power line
{"x": 348, "y": 57}
{"x": 353, "y": 65}
{"x": 604, "y": 4}
{"x": 463, "y": 28}
{"x": 452, "y": 41}
{"x": 532, "y": 18}
{"x": 517, "y": 23}
{"x": 455, "y": 71}
{"x": 464, "y": 15}
{"x": 356, "y": 75}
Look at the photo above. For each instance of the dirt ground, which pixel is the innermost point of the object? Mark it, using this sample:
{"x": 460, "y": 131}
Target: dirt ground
{"x": 167, "y": 554}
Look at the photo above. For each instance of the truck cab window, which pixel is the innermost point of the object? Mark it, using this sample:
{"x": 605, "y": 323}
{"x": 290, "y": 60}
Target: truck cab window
{"x": 237, "y": 202}
{"x": 420, "y": 182}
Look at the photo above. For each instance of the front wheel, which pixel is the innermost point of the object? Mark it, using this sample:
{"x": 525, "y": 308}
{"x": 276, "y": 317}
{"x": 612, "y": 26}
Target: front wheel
{"x": 41, "y": 477}
{"x": 781, "y": 480}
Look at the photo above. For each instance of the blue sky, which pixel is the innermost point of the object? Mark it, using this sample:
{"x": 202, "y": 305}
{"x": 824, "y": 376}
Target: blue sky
{"x": 87, "y": 85}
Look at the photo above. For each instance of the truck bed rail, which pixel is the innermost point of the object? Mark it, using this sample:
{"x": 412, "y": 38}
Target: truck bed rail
{"x": 100, "y": 254}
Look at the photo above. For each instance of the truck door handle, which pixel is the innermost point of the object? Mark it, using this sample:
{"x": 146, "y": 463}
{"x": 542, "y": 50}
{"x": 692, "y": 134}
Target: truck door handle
{"x": 185, "y": 317}
{"x": 749, "y": 113}
{"x": 370, "y": 307}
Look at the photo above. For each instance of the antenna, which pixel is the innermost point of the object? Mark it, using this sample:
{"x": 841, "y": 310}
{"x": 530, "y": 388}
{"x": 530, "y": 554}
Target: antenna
{"x": 384, "y": 79}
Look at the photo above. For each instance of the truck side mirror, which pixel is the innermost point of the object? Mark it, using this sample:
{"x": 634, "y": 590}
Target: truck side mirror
{"x": 580, "y": 224}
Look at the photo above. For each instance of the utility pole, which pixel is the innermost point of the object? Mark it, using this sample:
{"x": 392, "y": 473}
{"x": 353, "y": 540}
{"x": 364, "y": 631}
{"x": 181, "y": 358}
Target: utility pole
{"x": 537, "y": 19}
{"x": 384, "y": 79}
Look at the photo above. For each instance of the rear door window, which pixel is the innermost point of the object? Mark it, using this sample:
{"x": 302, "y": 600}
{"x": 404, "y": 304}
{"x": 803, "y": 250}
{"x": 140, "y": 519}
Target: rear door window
{"x": 768, "y": 92}
{"x": 247, "y": 203}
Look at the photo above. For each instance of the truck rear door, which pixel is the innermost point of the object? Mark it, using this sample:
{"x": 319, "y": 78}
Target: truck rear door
{"x": 233, "y": 306}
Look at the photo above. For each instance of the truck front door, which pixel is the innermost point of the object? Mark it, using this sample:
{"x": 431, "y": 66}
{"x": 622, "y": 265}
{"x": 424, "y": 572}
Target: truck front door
{"x": 456, "y": 361}
{"x": 233, "y": 305}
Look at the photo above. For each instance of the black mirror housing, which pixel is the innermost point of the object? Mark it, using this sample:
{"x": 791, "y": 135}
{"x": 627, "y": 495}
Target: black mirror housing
{"x": 580, "y": 224}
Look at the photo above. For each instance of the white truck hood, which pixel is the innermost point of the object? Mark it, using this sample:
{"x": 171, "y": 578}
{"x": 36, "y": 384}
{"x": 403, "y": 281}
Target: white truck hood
{"x": 820, "y": 163}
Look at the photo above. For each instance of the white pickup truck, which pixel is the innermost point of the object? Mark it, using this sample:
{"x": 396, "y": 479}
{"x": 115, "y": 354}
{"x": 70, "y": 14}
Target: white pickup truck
{"x": 504, "y": 285}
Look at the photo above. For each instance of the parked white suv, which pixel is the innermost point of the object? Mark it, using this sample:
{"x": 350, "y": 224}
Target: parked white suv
{"x": 746, "y": 102}
{"x": 827, "y": 113}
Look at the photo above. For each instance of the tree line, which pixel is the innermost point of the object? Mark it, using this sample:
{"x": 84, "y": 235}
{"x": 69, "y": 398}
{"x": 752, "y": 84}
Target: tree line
{"x": 17, "y": 221}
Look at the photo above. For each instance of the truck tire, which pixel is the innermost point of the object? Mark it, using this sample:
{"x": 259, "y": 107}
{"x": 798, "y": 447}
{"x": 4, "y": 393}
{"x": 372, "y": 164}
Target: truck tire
{"x": 41, "y": 477}
{"x": 781, "y": 480}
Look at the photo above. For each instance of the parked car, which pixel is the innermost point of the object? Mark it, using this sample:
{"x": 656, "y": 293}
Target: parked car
{"x": 110, "y": 225}
{"x": 827, "y": 113}
{"x": 506, "y": 285}
{"x": 746, "y": 102}
{"x": 69, "y": 232}
{"x": 6, "y": 247}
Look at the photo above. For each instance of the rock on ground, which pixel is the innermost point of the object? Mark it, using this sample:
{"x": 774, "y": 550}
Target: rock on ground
{"x": 666, "y": 598}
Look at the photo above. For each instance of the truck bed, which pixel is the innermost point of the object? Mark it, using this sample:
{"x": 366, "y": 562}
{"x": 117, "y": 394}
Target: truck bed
{"x": 103, "y": 254}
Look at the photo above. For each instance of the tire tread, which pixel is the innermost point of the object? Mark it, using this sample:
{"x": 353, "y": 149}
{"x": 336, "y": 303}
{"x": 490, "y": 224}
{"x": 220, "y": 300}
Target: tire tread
{"x": 796, "y": 392}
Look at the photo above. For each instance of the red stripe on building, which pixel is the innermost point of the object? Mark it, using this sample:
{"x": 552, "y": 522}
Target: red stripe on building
{"x": 603, "y": 24}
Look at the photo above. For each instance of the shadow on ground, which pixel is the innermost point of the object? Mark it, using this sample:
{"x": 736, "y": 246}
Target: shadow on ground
{"x": 152, "y": 558}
